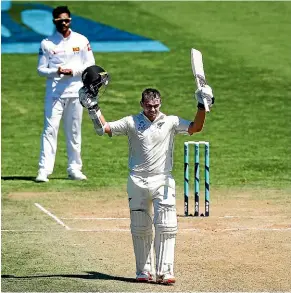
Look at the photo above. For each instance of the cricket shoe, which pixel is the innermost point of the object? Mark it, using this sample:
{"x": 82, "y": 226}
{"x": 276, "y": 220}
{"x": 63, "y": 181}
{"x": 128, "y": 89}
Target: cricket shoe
{"x": 166, "y": 279}
{"x": 77, "y": 175}
{"x": 144, "y": 277}
{"x": 41, "y": 176}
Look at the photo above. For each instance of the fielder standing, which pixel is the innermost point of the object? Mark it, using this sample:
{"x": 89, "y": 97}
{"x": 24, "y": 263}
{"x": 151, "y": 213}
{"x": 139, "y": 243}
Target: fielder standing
{"x": 62, "y": 59}
{"x": 150, "y": 183}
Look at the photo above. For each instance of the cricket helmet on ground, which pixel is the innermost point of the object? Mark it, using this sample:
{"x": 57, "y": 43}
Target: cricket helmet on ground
{"x": 94, "y": 77}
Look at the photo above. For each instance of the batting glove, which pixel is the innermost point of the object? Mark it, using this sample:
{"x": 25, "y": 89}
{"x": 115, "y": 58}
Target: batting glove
{"x": 87, "y": 100}
{"x": 204, "y": 93}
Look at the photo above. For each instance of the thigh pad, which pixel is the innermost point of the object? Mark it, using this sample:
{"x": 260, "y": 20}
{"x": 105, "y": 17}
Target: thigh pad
{"x": 165, "y": 218}
{"x": 140, "y": 223}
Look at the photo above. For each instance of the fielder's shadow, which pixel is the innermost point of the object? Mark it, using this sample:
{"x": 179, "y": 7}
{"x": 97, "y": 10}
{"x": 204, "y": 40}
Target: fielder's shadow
{"x": 12, "y": 178}
{"x": 28, "y": 178}
{"x": 88, "y": 276}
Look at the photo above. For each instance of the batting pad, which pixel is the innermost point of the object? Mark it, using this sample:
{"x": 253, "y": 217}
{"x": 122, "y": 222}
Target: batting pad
{"x": 165, "y": 249}
{"x": 165, "y": 217}
{"x": 165, "y": 221}
{"x": 142, "y": 237}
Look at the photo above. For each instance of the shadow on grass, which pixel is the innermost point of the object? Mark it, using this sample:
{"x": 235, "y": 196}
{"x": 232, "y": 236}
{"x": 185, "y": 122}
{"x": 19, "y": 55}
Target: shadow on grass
{"x": 25, "y": 178}
{"x": 89, "y": 276}
{"x": 29, "y": 178}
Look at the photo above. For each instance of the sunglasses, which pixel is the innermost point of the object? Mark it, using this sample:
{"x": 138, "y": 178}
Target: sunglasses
{"x": 60, "y": 20}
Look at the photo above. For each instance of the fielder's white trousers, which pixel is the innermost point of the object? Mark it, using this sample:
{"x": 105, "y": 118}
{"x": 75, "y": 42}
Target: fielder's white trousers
{"x": 71, "y": 111}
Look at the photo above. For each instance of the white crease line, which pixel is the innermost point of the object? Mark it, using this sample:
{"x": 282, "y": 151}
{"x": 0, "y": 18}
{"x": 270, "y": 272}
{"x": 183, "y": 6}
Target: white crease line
{"x": 180, "y": 230}
{"x": 22, "y": 231}
{"x": 179, "y": 218}
{"x": 101, "y": 230}
{"x": 255, "y": 229}
{"x": 254, "y": 217}
{"x": 52, "y": 215}
{"x": 97, "y": 219}
{"x": 190, "y": 230}
{"x": 235, "y": 229}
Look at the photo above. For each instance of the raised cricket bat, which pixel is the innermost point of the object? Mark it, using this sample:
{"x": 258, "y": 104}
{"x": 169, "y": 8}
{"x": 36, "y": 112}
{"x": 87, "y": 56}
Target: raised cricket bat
{"x": 198, "y": 71}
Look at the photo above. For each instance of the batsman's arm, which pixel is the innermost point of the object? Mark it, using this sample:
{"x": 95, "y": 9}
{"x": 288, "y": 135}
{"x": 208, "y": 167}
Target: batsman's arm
{"x": 90, "y": 102}
{"x": 108, "y": 129}
{"x": 197, "y": 124}
{"x": 99, "y": 122}
{"x": 201, "y": 94}
{"x": 112, "y": 128}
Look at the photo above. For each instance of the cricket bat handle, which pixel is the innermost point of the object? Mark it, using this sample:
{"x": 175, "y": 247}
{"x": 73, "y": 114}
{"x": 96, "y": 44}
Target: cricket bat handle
{"x": 205, "y": 105}
{"x": 201, "y": 82}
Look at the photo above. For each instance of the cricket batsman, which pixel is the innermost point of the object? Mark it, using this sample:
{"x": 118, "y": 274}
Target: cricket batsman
{"x": 150, "y": 187}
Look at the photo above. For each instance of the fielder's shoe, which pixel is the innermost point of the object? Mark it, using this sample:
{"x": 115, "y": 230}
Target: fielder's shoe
{"x": 144, "y": 277}
{"x": 77, "y": 175}
{"x": 166, "y": 279}
{"x": 41, "y": 176}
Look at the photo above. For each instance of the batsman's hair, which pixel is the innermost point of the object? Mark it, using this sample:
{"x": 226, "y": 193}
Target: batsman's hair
{"x": 59, "y": 10}
{"x": 150, "y": 94}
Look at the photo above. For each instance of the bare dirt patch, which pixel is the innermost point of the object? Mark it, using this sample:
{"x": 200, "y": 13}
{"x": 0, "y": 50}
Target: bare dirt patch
{"x": 245, "y": 244}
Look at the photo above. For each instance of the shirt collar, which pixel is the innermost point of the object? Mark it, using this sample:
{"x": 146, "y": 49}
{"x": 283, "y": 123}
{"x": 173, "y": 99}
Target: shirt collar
{"x": 160, "y": 116}
{"x": 61, "y": 36}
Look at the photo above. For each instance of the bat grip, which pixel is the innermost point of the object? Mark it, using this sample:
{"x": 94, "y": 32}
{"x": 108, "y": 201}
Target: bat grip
{"x": 206, "y": 105}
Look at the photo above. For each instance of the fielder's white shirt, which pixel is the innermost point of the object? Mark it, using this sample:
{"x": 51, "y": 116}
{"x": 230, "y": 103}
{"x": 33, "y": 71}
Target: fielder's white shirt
{"x": 74, "y": 53}
{"x": 151, "y": 144}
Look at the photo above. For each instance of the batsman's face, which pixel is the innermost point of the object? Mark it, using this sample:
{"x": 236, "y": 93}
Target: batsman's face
{"x": 62, "y": 23}
{"x": 151, "y": 108}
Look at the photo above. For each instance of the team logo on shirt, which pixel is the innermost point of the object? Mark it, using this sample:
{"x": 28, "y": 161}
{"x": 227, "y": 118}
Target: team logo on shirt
{"x": 76, "y": 49}
{"x": 160, "y": 124}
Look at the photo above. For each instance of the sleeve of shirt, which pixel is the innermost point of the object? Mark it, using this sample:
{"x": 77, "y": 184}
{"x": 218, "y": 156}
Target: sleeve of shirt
{"x": 43, "y": 63}
{"x": 87, "y": 58}
{"x": 119, "y": 127}
{"x": 181, "y": 126}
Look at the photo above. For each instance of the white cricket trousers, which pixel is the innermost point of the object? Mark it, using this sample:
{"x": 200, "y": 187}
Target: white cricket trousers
{"x": 144, "y": 190}
{"x": 158, "y": 191}
{"x": 71, "y": 111}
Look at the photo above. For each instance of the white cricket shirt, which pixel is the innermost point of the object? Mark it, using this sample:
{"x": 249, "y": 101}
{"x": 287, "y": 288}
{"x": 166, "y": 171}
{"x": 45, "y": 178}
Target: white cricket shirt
{"x": 151, "y": 144}
{"x": 74, "y": 53}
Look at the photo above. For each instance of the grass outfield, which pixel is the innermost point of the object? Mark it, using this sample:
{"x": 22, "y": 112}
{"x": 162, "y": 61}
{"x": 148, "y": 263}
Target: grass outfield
{"x": 247, "y": 62}
{"x": 246, "y": 56}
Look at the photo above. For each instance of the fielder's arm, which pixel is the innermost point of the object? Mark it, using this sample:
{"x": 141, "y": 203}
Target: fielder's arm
{"x": 43, "y": 63}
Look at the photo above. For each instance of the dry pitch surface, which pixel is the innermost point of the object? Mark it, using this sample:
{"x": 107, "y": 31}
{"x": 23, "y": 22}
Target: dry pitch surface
{"x": 245, "y": 245}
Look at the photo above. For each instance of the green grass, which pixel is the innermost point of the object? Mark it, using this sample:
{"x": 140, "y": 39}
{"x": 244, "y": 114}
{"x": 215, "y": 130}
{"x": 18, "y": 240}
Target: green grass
{"x": 247, "y": 62}
{"x": 246, "y": 52}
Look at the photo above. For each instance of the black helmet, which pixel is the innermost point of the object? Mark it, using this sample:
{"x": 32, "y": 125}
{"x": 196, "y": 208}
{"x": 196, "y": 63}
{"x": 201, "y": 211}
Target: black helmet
{"x": 94, "y": 77}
